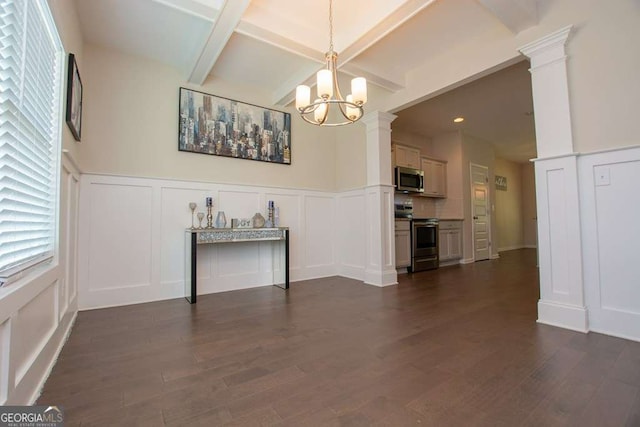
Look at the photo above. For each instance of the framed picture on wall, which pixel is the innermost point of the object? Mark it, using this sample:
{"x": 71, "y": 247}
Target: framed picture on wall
{"x": 74, "y": 98}
{"x": 501, "y": 183}
{"x": 217, "y": 126}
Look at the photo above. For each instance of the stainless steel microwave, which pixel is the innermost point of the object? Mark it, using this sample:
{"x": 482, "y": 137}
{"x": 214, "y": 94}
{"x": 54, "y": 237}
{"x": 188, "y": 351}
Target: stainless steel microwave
{"x": 409, "y": 180}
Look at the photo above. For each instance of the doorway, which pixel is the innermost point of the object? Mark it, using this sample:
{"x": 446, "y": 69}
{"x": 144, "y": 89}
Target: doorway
{"x": 481, "y": 219}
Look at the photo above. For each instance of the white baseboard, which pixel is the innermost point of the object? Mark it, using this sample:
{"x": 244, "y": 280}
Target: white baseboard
{"x": 563, "y": 316}
{"x": 381, "y": 278}
{"x": 450, "y": 262}
{"x": 510, "y": 248}
{"x": 467, "y": 261}
{"x": 495, "y": 256}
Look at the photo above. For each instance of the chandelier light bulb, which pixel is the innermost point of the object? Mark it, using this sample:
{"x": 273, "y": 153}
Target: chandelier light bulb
{"x": 359, "y": 90}
{"x": 303, "y": 96}
{"x": 352, "y": 112}
{"x": 325, "y": 84}
{"x": 320, "y": 114}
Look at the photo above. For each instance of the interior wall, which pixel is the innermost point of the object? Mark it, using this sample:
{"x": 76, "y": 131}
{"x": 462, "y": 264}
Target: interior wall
{"x": 351, "y": 156}
{"x": 509, "y": 211}
{"x": 602, "y": 102}
{"x": 115, "y": 269}
{"x": 66, "y": 19}
{"x": 131, "y": 128}
{"x": 529, "y": 210}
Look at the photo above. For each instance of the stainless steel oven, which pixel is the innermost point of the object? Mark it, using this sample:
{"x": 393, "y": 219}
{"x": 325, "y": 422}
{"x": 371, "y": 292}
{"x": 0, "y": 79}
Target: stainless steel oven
{"x": 424, "y": 244}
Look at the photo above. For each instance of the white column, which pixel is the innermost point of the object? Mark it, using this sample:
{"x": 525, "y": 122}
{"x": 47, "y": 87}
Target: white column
{"x": 380, "y": 241}
{"x": 560, "y": 251}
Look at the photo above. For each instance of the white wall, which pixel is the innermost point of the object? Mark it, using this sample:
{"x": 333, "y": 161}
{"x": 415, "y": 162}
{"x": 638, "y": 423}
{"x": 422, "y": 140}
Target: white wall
{"x": 131, "y": 129}
{"x": 610, "y": 208}
{"x": 132, "y": 246}
{"x": 509, "y": 206}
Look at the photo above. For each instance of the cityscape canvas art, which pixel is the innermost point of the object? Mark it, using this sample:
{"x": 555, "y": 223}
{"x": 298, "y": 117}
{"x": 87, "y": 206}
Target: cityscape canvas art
{"x": 223, "y": 127}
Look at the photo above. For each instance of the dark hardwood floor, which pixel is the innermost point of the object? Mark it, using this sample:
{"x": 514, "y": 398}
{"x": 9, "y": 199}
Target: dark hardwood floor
{"x": 458, "y": 346}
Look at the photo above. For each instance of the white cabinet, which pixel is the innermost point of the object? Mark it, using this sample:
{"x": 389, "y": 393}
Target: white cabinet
{"x": 407, "y": 157}
{"x": 435, "y": 177}
{"x": 403, "y": 243}
{"x": 450, "y": 241}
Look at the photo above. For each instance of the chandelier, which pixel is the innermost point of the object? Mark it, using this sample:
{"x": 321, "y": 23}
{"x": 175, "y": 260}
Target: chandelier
{"x": 317, "y": 112}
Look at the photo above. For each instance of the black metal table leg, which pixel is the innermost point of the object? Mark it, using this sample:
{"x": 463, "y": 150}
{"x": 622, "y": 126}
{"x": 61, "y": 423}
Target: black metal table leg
{"x": 194, "y": 288}
{"x": 286, "y": 259}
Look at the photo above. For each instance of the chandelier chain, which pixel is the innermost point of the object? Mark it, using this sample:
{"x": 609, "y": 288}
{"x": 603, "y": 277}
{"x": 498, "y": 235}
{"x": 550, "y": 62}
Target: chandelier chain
{"x": 330, "y": 25}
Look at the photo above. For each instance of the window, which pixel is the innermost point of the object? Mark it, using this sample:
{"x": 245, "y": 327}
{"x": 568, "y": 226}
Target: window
{"x": 30, "y": 117}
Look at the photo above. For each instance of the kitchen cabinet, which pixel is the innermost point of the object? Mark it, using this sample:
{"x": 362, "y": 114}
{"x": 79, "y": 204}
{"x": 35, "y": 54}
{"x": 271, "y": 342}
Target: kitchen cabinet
{"x": 435, "y": 177}
{"x": 450, "y": 246}
{"x": 403, "y": 243}
{"x": 408, "y": 157}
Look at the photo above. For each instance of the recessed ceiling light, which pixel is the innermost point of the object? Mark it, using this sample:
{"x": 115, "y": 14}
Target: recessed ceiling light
{"x": 458, "y": 120}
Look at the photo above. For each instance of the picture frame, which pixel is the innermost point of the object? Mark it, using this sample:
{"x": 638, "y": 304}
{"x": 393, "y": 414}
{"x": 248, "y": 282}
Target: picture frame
{"x": 214, "y": 125}
{"x": 74, "y": 98}
{"x": 501, "y": 183}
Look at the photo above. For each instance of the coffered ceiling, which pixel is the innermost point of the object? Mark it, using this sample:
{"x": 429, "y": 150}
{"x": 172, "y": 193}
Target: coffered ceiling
{"x": 279, "y": 44}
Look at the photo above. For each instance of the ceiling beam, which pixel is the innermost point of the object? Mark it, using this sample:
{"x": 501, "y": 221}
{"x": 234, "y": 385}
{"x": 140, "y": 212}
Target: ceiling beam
{"x": 516, "y": 15}
{"x": 284, "y": 43}
{"x": 223, "y": 27}
{"x": 193, "y": 7}
{"x": 285, "y": 94}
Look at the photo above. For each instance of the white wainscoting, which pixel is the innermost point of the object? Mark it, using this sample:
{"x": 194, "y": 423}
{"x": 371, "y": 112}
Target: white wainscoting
{"x": 351, "y": 234}
{"x": 37, "y": 311}
{"x": 561, "y": 285}
{"x": 132, "y": 238}
{"x": 610, "y": 205}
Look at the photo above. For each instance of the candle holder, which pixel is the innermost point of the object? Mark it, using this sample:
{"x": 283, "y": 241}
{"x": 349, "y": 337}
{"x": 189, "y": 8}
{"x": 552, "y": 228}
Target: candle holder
{"x": 209, "y": 217}
{"x": 193, "y": 207}
{"x": 200, "y": 218}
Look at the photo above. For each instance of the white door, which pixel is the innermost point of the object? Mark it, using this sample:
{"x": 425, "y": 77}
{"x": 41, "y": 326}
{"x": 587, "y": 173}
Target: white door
{"x": 480, "y": 212}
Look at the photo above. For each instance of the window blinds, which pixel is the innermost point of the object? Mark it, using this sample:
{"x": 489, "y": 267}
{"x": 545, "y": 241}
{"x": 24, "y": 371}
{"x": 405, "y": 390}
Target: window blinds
{"x": 29, "y": 119}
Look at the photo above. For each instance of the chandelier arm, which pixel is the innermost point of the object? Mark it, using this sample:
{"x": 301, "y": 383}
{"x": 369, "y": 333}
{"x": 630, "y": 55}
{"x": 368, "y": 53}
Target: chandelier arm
{"x": 334, "y": 72}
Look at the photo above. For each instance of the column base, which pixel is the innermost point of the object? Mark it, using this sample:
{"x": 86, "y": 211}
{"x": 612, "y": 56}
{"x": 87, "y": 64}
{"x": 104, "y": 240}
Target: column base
{"x": 381, "y": 278}
{"x": 562, "y": 315}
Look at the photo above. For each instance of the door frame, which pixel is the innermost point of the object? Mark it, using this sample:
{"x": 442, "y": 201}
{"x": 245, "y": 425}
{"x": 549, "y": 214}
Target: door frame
{"x": 489, "y": 212}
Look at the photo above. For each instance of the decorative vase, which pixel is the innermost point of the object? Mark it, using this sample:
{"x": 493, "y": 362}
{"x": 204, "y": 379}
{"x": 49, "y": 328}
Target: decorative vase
{"x": 221, "y": 220}
{"x": 258, "y": 220}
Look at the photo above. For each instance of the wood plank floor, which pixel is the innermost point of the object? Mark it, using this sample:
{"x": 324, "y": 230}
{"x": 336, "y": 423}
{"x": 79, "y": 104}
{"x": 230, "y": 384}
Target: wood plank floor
{"x": 458, "y": 346}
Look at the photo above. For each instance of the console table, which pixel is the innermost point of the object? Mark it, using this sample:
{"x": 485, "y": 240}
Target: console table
{"x": 208, "y": 236}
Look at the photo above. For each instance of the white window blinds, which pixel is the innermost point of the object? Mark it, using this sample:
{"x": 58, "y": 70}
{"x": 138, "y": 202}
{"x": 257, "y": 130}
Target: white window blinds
{"x": 30, "y": 87}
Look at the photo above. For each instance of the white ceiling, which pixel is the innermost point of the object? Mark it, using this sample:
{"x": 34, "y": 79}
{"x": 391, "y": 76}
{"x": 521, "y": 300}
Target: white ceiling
{"x": 278, "y": 44}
